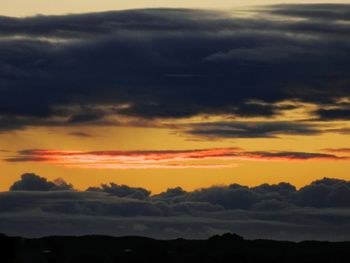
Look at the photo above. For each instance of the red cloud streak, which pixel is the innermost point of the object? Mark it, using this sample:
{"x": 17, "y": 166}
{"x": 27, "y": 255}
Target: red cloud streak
{"x": 160, "y": 159}
{"x": 337, "y": 150}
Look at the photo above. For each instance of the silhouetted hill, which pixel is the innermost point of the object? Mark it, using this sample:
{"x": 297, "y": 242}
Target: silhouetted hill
{"x": 225, "y": 248}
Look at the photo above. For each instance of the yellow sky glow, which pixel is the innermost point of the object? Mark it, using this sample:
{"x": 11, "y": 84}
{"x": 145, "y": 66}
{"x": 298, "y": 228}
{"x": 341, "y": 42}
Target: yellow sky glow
{"x": 131, "y": 138}
{"x": 49, "y": 7}
{"x": 165, "y": 136}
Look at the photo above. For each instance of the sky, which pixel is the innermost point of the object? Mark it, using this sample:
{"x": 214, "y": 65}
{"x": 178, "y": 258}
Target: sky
{"x": 50, "y": 7}
{"x": 183, "y": 95}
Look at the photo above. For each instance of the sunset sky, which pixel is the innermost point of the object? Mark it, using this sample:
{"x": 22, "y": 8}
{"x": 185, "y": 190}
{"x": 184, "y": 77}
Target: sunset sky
{"x": 175, "y": 118}
{"x": 225, "y": 92}
{"x": 50, "y": 7}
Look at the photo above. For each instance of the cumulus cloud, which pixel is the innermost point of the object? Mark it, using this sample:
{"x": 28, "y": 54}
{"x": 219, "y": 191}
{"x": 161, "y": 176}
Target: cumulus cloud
{"x": 321, "y": 193}
{"x": 171, "y": 195}
{"x": 325, "y": 193}
{"x": 164, "y": 63}
{"x": 122, "y": 191}
{"x": 33, "y": 182}
{"x": 319, "y": 210}
{"x": 236, "y": 196}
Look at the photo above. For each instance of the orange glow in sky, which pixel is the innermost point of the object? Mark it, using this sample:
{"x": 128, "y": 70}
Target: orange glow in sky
{"x": 124, "y": 97}
{"x": 160, "y": 159}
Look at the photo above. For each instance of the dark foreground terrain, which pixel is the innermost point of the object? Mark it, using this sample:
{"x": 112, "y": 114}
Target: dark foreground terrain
{"x": 225, "y": 248}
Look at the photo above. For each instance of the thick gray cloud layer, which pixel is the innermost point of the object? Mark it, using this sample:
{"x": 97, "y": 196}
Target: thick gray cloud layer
{"x": 320, "y": 210}
{"x": 76, "y": 69}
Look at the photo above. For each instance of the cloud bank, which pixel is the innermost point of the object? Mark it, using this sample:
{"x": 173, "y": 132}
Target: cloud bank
{"x": 320, "y": 210}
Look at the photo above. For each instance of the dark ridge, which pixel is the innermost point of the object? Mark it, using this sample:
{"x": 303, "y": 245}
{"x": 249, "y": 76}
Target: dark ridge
{"x": 224, "y": 248}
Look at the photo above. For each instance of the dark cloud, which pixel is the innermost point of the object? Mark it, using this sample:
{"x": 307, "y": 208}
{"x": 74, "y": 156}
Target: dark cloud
{"x": 78, "y": 69}
{"x": 321, "y": 193}
{"x": 325, "y": 193}
{"x": 33, "y": 182}
{"x": 293, "y": 155}
{"x": 317, "y": 211}
{"x": 271, "y": 205}
{"x": 334, "y": 114}
{"x": 237, "y": 129}
{"x": 122, "y": 191}
{"x": 231, "y": 197}
{"x": 171, "y": 195}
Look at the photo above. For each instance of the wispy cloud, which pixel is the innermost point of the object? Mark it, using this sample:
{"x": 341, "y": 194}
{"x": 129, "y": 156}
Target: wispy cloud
{"x": 169, "y": 159}
{"x": 127, "y": 159}
{"x": 249, "y": 129}
{"x": 80, "y": 134}
{"x": 337, "y": 150}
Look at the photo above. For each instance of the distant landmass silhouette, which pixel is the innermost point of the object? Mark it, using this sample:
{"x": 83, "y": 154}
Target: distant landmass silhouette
{"x": 225, "y": 248}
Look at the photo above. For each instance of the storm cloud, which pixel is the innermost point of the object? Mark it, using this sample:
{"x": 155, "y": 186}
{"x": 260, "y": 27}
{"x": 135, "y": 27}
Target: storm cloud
{"x": 172, "y": 63}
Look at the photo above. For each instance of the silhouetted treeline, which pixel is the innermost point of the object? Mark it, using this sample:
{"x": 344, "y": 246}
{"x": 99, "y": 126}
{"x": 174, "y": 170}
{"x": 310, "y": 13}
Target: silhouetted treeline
{"x": 225, "y": 248}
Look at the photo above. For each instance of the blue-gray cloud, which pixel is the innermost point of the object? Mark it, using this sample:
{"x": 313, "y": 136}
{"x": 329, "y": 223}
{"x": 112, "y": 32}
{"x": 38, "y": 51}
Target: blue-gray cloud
{"x": 122, "y": 191}
{"x": 77, "y": 69}
{"x": 256, "y": 129}
{"x": 319, "y": 210}
{"x": 33, "y": 182}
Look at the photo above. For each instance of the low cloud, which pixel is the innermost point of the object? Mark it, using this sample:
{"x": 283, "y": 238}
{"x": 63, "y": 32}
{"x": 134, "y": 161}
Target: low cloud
{"x": 325, "y": 193}
{"x": 320, "y": 210}
{"x": 33, "y": 182}
{"x": 122, "y": 191}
